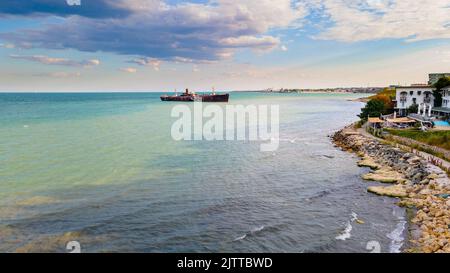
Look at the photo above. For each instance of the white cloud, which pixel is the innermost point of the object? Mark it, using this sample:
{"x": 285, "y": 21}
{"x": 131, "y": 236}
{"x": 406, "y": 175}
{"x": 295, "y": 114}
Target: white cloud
{"x": 155, "y": 29}
{"x": 155, "y": 63}
{"x": 284, "y": 48}
{"x": 264, "y": 42}
{"x": 60, "y": 74}
{"x": 129, "y": 69}
{"x": 362, "y": 20}
{"x": 42, "y": 59}
{"x": 92, "y": 62}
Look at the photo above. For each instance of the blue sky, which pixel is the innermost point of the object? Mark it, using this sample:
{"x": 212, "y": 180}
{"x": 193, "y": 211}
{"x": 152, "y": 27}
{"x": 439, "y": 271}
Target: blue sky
{"x": 151, "y": 45}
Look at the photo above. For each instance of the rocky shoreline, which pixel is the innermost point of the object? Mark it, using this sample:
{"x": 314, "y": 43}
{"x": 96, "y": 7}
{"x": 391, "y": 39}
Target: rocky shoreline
{"x": 417, "y": 183}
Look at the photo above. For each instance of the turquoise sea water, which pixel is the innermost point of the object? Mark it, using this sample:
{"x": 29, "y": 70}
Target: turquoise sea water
{"x": 102, "y": 169}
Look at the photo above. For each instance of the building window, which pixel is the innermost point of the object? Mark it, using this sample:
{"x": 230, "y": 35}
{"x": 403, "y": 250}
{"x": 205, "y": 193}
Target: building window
{"x": 419, "y": 93}
{"x": 411, "y": 93}
{"x": 427, "y": 98}
{"x": 403, "y": 97}
{"x": 414, "y": 101}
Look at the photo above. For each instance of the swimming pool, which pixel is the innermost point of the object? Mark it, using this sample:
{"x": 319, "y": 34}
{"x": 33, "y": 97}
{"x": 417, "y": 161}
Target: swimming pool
{"x": 441, "y": 123}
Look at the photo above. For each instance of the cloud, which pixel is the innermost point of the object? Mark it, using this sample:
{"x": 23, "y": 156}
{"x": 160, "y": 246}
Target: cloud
{"x": 128, "y": 69}
{"x": 284, "y": 48}
{"x": 211, "y": 31}
{"x": 264, "y": 42}
{"x": 23, "y": 45}
{"x": 60, "y": 74}
{"x": 363, "y": 20}
{"x": 155, "y": 63}
{"x": 42, "y": 59}
{"x": 178, "y": 59}
{"x": 208, "y": 31}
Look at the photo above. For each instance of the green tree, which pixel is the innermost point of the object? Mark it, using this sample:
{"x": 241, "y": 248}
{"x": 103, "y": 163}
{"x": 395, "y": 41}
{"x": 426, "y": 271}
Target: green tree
{"x": 413, "y": 108}
{"x": 388, "y": 103}
{"x": 441, "y": 83}
{"x": 373, "y": 108}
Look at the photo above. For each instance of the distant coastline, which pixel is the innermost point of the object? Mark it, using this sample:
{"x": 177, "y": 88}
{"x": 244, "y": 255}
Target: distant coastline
{"x": 337, "y": 90}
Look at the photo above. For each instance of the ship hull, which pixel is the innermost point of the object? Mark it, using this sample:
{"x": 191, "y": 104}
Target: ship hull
{"x": 215, "y": 98}
{"x": 177, "y": 98}
{"x": 203, "y": 98}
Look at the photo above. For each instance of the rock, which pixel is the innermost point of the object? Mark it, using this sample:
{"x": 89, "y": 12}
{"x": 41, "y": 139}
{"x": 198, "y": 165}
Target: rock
{"x": 368, "y": 162}
{"x": 438, "y": 213}
{"x": 425, "y": 191}
{"x": 407, "y": 155}
{"x": 433, "y": 176}
{"x": 418, "y": 183}
{"x": 384, "y": 175}
{"x": 417, "y": 177}
{"x": 406, "y": 203}
{"x": 392, "y": 191}
{"x": 439, "y": 230}
{"x": 424, "y": 182}
{"x": 414, "y": 160}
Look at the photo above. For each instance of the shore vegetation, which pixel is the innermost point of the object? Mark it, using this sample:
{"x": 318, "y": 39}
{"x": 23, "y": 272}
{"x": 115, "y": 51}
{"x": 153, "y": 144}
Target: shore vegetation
{"x": 435, "y": 138}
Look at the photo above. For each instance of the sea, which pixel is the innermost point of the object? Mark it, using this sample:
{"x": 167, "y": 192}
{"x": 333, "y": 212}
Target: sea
{"x": 103, "y": 170}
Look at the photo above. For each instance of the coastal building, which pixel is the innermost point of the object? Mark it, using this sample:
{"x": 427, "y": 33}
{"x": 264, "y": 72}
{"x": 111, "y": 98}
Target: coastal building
{"x": 419, "y": 94}
{"x": 444, "y": 110}
{"x": 434, "y": 77}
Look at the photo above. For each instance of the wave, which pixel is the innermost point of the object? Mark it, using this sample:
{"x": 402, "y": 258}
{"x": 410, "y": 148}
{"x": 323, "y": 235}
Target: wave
{"x": 346, "y": 233}
{"x": 257, "y": 229}
{"x": 240, "y": 238}
{"x": 251, "y": 232}
{"x": 396, "y": 235}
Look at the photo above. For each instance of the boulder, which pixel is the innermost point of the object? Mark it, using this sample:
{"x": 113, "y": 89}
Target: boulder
{"x": 392, "y": 191}
{"x": 368, "y": 162}
{"x": 384, "y": 175}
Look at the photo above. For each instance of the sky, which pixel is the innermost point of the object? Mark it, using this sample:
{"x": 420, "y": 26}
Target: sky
{"x": 153, "y": 45}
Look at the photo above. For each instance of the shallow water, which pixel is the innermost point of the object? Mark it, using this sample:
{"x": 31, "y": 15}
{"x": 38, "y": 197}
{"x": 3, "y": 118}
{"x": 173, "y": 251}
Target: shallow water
{"x": 103, "y": 169}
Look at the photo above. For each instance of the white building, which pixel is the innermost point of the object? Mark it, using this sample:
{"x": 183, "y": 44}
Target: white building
{"x": 446, "y": 97}
{"x": 422, "y": 95}
{"x": 444, "y": 110}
